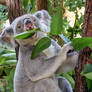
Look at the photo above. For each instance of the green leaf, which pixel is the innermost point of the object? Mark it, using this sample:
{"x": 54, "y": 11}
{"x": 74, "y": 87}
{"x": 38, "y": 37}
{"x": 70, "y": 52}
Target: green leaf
{"x": 43, "y": 43}
{"x": 11, "y": 62}
{"x": 9, "y": 55}
{"x": 88, "y": 75}
{"x": 57, "y": 22}
{"x": 91, "y": 56}
{"x": 1, "y": 71}
{"x": 33, "y": 2}
{"x": 25, "y": 3}
{"x": 6, "y": 70}
{"x": 87, "y": 71}
{"x": 80, "y": 43}
{"x": 87, "y": 68}
{"x": 89, "y": 84}
{"x": 26, "y": 34}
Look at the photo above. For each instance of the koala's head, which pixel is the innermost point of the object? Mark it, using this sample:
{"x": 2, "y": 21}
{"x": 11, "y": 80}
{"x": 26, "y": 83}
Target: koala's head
{"x": 25, "y": 23}
{"x": 71, "y": 54}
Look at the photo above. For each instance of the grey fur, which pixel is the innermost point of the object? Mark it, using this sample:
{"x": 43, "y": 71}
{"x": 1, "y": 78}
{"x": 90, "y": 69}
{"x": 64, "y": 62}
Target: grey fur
{"x": 39, "y": 74}
{"x": 64, "y": 85}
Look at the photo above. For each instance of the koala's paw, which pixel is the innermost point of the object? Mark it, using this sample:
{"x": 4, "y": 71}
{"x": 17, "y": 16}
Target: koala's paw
{"x": 67, "y": 48}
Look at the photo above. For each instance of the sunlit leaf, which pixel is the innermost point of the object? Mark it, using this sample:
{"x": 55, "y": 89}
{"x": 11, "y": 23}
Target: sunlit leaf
{"x": 9, "y": 55}
{"x": 88, "y": 75}
{"x": 11, "y": 62}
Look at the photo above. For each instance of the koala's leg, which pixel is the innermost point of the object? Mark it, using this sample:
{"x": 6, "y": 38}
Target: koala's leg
{"x": 64, "y": 85}
{"x": 46, "y": 85}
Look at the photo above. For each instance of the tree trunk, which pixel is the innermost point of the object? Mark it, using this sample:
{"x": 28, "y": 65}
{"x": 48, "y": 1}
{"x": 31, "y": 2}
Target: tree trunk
{"x": 84, "y": 58}
{"x": 87, "y": 26}
{"x": 14, "y": 10}
{"x": 41, "y": 4}
{"x": 84, "y": 55}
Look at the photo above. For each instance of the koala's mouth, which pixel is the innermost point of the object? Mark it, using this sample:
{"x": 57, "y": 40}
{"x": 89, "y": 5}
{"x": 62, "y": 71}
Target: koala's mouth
{"x": 70, "y": 52}
{"x": 29, "y": 26}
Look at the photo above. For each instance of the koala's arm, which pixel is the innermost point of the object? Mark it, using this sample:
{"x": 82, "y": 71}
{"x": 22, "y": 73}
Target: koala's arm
{"x": 46, "y": 70}
{"x": 48, "y": 67}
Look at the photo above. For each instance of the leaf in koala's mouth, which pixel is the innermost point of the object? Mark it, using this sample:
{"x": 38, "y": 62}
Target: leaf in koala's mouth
{"x": 43, "y": 43}
{"x": 29, "y": 27}
{"x": 27, "y": 34}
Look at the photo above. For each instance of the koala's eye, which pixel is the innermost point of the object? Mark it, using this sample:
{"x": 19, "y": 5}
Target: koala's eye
{"x": 19, "y": 26}
{"x": 34, "y": 20}
{"x": 39, "y": 15}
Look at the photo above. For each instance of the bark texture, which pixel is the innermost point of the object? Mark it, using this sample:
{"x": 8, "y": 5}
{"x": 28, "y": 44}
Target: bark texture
{"x": 41, "y": 4}
{"x": 84, "y": 58}
{"x": 87, "y": 25}
{"x": 84, "y": 55}
{"x": 14, "y": 10}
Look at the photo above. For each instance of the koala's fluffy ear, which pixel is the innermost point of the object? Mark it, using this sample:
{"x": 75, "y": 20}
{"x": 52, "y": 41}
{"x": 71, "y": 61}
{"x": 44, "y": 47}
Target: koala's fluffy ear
{"x": 43, "y": 15}
{"x": 6, "y": 37}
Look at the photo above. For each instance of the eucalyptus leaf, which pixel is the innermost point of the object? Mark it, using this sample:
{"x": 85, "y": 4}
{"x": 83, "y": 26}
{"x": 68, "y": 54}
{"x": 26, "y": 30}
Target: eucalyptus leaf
{"x": 25, "y": 3}
{"x": 26, "y": 34}
{"x": 9, "y": 55}
{"x": 80, "y": 43}
{"x": 42, "y": 44}
{"x": 11, "y": 62}
{"x": 87, "y": 71}
{"x": 57, "y": 22}
{"x": 89, "y": 84}
{"x": 88, "y": 75}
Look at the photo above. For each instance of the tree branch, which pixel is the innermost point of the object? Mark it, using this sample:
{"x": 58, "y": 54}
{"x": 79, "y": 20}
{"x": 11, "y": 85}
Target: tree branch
{"x": 3, "y": 2}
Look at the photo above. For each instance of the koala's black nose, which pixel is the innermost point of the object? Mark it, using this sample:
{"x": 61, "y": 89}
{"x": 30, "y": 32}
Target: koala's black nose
{"x": 27, "y": 21}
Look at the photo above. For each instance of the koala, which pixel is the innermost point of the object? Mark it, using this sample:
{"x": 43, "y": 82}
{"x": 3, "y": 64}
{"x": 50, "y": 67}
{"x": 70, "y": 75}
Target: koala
{"x": 39, "y": 74}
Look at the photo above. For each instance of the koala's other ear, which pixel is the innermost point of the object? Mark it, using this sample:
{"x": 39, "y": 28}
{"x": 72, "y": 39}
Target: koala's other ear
{"x": 7, "y": 31}
{"x": 43, "y": 14}
{"x": 6, "y": 36}
{"x": 46, "y": 14}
